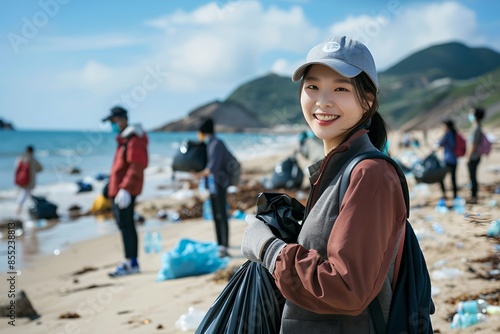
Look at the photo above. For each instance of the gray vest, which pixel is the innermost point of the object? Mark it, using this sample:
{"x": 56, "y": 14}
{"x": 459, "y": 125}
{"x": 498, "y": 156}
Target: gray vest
{"x": 314, "y": 235}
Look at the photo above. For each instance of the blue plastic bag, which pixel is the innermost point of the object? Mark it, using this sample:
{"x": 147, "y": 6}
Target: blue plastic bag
{"x": 191, "y": 258}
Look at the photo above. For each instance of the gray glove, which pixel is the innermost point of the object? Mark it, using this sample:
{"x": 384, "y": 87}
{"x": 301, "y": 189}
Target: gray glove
{"x": 255, "y": 238}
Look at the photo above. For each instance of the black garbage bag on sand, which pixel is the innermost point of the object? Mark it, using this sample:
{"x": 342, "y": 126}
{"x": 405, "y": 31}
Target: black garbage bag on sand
{"x": 430, "y": 170}
{"x": 251, "y": 303}
{"x": 192, "y": 156}
{"x": 42, "y": 208}
{"x": 287, "y": 174}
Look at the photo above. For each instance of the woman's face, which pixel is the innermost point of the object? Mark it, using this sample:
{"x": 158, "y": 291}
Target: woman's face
{"x": 329, "y": 105}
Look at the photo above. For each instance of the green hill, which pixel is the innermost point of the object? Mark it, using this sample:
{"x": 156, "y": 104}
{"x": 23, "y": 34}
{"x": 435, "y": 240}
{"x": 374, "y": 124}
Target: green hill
{"x": 453, "y": 60}
{"x": 441, "y": 81}
{"x": 273, "y": 99}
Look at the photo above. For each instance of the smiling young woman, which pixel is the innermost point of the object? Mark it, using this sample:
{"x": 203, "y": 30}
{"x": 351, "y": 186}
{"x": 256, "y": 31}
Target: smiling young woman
{"x": 346, "y": 254}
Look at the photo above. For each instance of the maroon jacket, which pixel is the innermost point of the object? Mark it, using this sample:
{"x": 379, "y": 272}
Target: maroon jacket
{"x": 131, "y": 158}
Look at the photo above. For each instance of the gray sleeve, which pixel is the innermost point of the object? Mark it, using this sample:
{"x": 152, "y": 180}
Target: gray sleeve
{"x": 272, "y": 253}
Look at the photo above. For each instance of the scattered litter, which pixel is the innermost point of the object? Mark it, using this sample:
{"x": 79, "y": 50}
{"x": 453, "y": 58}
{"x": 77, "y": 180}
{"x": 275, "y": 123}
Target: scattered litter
{"x": 439, "y": 263}
{"x": 238, "y": 214}
{"x": 423, "y": 234}
{"x": 435, "y": 291}
{"x": 223, "y": 276}
{"x": 101, "y": 177}
{"x": 436, "y": 227}
{"x": 65, "y": 291}
{"x": 190, "y": 320}
{"x": 69, "y": 315}
{"x": 494, "y": 229}
{"x": 83, "y": 186}
{"x": 445, "y": 273}
{"x": 477, "y": 217}
{"x": 493, "y": 203}
{"x": 23, "y": 308}
{"x": 84, "y": 270}
{"x": 191, "y": 258}
{"x": 488, "y": 269}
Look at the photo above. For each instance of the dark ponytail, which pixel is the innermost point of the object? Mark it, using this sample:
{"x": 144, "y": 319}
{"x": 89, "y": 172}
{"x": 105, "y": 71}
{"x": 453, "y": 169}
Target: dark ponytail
{"x": 372, "y": 120}
{"x": 378, "y": 131}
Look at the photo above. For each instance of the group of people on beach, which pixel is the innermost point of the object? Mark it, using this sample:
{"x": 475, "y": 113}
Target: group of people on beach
{"x": 449, "y": 142}
{"x": 348, "y": 253}
{"x": 127, "y": 178}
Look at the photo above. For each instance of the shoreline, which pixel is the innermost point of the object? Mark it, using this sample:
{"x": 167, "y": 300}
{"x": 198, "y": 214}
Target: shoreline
{"x": 452, "y": 245}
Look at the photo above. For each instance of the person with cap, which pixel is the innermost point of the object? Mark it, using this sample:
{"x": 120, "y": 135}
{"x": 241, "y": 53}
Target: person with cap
{"x": 125, "y": 184}
{"x": 216, "y": 181}
{"x": 346, "y": 253}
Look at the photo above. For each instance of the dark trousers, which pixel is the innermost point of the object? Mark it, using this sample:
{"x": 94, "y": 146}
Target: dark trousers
{"x": 472, "y": 165}
{"x": 125, "y": 221}
{"x": 452, "y": 170}
{"x": 219, "y": 211}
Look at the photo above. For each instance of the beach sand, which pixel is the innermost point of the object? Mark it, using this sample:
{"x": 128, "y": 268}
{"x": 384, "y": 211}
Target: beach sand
{"x": 140, "y": 304}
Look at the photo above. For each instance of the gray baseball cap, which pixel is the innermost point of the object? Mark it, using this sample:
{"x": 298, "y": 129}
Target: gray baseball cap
{"x": 342, "y": 54}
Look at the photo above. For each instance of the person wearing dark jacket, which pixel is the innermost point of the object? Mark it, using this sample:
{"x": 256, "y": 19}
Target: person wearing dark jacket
{"x": 216, "y": 181}
{"x": 125, "y": 184}
{"x": 346, "y": 254}
{"x": 448, "y": 142}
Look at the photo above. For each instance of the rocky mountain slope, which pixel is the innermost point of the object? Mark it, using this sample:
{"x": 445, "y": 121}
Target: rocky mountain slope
{"x": 418, "y": 92}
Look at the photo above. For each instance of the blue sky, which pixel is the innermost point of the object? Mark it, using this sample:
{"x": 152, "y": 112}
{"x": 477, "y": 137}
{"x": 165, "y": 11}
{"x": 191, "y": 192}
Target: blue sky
{"x": 66, "y": 62}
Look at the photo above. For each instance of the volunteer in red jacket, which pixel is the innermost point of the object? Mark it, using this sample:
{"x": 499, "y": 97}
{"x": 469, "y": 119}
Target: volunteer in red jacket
{"x": 125, "y": 183}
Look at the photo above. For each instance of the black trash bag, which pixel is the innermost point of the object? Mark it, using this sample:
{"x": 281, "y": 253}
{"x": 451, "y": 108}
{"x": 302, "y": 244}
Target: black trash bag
{"x": 192, "y": 156}
{"x": 42, "y": 209}
{"x": 283, "y": 214}
{"x": 430, "y": 170}
{"x": 287, "y": 174}
{"x": 251, "y": 303}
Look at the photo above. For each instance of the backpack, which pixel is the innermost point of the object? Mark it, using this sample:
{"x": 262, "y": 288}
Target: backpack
{"x": 411, "y": 304}
{"x": 233, "y": 169}
{"x": 484, "y": 147}
{"x": 460, "y": 145}
{"x": 22, "y": 177}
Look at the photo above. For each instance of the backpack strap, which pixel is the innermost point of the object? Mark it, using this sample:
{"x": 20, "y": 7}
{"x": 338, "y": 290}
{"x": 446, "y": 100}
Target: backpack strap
{"x": 346, "y": 176}
{"x": 374, "y": 307}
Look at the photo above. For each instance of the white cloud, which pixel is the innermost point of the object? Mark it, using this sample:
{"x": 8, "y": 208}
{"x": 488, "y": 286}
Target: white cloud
{"x": 391, "y": 36}
{"x": 205, "y": 53}
{"x": 213, "y": 46}
{"x": 80, "y": 43}
{"x": 216, "y": 46}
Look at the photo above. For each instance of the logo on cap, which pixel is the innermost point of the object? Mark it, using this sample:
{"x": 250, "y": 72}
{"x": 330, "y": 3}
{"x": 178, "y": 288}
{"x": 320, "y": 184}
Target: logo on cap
{"x": 331, "y": 47}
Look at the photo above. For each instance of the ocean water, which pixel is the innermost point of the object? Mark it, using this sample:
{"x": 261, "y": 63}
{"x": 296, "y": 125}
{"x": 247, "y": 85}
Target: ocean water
{"x": 92, "y": 151}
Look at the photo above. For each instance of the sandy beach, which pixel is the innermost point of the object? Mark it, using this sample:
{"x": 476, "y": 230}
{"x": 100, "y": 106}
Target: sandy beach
{"x": 455, "y": 247}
